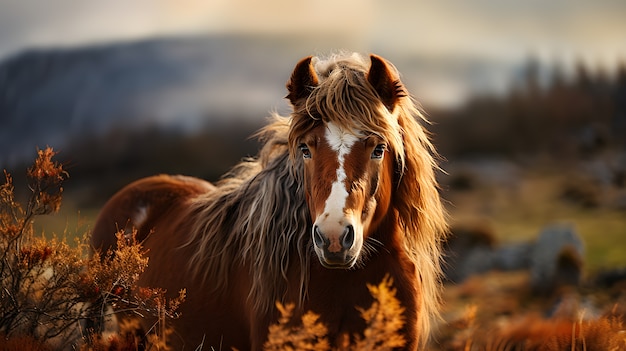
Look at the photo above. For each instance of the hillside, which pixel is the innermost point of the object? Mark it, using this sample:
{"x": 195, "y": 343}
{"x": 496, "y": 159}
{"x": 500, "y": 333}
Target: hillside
{"x": 49, "y": 97}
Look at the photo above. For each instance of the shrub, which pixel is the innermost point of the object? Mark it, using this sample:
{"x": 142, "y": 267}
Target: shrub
{"x": 54, "y": 292}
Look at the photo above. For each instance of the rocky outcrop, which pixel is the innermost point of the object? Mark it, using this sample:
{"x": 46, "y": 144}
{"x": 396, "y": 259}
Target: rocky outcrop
{"x": 554, "y": 259}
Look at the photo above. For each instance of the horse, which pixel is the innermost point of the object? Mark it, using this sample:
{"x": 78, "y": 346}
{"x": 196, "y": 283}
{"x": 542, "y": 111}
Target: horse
{"x": 342, "y": 194}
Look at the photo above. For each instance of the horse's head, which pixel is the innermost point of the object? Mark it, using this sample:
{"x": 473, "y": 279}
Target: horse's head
{"x": 347, "y": 139}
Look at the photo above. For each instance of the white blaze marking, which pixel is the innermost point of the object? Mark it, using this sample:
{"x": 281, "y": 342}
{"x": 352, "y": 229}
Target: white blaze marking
{"x": 341, "y": 142}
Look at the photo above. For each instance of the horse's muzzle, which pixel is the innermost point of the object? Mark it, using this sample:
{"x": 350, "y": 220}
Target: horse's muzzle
{"x": 335, "y": 252}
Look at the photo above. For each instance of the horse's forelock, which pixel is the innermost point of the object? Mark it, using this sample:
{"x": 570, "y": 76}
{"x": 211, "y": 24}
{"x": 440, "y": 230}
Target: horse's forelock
{"x": 344, "y": 97}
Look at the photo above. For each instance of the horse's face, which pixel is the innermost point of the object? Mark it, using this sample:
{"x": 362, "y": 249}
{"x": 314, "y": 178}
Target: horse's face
{"x": 348, "y": 174}
{"x": 347, "y": 180}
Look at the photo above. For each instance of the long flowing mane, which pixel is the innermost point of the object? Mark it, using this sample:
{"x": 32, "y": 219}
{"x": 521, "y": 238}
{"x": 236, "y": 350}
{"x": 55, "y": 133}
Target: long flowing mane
{"x": 258, "y": 213}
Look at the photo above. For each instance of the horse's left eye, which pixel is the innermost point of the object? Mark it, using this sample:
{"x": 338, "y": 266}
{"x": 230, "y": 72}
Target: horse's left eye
{"x": 379, "y": 151}
{"x": 306, "y": 153}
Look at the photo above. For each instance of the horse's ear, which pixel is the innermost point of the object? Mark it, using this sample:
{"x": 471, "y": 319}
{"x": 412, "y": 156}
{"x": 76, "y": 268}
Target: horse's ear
{"x": 385, "y": 81}
{"x": 303, "y": 80}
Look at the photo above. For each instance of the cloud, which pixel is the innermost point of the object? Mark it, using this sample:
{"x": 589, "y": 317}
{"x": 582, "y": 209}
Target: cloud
{"x": 500, "y": 33}
{"x": 509, "y": 30}
{"x": 25, "y": 23}
{"x": 496, "y": 28}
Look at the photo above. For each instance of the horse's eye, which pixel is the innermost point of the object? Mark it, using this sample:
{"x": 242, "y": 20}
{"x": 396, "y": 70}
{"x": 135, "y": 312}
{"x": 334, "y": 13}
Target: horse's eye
{"x": 306, "y": 153}
{"x": 379, "y": 151}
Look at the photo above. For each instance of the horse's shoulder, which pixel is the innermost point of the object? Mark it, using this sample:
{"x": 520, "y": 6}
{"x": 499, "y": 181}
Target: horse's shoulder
{"x": 143, "y": 202}
{"x": 156, "y": 195}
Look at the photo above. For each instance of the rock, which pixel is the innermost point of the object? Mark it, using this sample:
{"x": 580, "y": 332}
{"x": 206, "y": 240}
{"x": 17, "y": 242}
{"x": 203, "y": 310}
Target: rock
{"x": 513, "y": 256}
{"x": 468, "y": 251}
{"x": 556, "y": 259}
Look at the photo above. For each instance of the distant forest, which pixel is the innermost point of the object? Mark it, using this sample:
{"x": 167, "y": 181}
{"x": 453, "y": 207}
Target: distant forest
{"x": 565, "y": 118}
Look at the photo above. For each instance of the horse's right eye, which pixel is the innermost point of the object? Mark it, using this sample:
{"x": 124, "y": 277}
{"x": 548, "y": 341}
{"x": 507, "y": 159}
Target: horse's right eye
{"x": 306, "y": 153}
{"x": 379, "y": 151}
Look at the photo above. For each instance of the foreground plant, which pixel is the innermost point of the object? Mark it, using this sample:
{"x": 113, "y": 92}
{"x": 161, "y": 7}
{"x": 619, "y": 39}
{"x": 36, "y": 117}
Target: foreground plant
{"x": 383, "y": 320}
{"x": 54, "y": 292}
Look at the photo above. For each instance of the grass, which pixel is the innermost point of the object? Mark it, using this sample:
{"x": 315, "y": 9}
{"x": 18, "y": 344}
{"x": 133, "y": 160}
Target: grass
{"x": 69, "y": 222}
{"x": 498, "y": 312}
{"x": 603, "y": 231}
{"x": 515, "y": 212}
{"x": 519, "y": 211}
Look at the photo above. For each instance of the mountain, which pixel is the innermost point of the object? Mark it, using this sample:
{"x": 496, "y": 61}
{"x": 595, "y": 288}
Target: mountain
{"x": 53, "y": 96}
{"x": 49, "y": 97}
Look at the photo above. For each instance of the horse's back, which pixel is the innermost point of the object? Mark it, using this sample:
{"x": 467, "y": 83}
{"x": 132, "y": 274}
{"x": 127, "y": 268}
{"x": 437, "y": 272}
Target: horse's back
{"x": 140, "y": 204}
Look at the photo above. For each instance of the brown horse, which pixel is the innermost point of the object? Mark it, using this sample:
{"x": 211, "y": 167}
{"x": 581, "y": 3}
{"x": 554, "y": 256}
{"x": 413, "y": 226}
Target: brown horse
{"x": 342, "y": 193}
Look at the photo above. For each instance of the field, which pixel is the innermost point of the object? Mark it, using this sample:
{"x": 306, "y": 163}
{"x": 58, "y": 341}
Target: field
{"x": 512, "y": 204}
{"x": 517, "y": 204}
{"x": 499, "y": 310}
{"x": 506, "y": 181}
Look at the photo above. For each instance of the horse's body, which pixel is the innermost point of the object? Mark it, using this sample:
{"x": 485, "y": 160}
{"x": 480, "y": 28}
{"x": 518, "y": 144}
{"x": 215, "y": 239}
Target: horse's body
{"x": 341, "y": 194}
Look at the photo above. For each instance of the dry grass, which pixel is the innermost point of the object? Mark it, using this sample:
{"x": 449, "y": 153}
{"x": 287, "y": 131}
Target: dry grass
{"x": 532, "y": 332}
{"x": 498, "y": 312}
{"x": 494, "y": 312}
{"x": 22, "y": 343}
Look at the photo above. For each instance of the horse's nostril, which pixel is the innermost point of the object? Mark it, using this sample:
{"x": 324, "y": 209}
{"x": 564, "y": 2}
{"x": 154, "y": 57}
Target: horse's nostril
{"x": 348, "y": 237}
{"x": 318, "y": 238}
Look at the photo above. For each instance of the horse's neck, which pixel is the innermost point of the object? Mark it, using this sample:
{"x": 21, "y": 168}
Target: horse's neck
{"x": 388, "y": 232}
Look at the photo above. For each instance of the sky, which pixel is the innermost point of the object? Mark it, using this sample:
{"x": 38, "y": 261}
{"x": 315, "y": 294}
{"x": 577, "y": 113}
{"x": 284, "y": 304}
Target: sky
{"x": 492, "y": 31}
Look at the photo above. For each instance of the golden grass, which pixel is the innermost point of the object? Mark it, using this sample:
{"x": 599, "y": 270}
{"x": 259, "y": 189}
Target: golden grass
{"x": 498, "y": 312}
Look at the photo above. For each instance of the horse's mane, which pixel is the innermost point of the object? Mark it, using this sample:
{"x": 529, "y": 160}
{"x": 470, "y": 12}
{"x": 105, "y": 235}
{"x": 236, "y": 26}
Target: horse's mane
{"x": 257, "y": 215}
{"x": 258, "y": 212}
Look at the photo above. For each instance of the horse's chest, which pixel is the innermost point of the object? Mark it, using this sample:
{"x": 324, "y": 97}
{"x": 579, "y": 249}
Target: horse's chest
{"x": 338, "y": 302}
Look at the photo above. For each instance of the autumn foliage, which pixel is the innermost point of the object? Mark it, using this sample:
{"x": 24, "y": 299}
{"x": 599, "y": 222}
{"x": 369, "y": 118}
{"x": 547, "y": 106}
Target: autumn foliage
{"x": 54, "y": 294}
{"x": 384, "y": 321}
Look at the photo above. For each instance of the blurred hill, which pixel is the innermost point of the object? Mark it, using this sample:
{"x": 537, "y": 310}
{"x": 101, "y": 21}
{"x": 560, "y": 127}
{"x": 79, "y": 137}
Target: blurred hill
{"x": 122, "y": 111}
{"x": 182, "y": 84}
{"x": 53, "y": 96}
